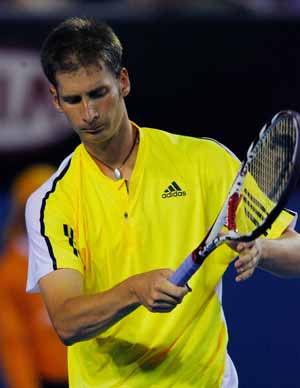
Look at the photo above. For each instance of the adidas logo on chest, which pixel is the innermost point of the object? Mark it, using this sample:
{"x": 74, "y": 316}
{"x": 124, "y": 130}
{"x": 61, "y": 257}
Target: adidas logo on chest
{"x": 174, "y": 190}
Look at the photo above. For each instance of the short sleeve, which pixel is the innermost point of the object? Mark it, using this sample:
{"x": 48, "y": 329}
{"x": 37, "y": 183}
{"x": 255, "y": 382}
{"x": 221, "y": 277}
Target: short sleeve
{"x": 51, "y": 236}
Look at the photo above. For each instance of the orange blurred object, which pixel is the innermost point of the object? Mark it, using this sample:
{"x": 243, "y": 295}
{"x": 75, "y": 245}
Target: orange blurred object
{"x": 29, "y": 180}
{"x": 30, "y": 350}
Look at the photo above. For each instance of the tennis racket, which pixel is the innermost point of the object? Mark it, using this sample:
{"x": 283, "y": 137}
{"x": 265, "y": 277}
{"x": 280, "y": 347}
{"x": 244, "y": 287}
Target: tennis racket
{"x": 258, "y": 194}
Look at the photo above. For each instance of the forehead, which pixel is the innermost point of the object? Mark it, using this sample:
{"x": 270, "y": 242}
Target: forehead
{"x": 83, "y": 80}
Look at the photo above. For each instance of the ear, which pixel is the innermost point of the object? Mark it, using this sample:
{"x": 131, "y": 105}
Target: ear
{"x": 55, "y": 98}
{"x": 124, "y": 82}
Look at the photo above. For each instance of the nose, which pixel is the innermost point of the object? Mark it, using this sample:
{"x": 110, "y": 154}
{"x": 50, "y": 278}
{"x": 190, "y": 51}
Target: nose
{"x": 90, "y": 113}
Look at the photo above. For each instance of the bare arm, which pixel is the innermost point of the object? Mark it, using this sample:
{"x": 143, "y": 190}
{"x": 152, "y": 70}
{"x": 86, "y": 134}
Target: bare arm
{"x": 280, "y": 256}
{"x": 78, "y": 317}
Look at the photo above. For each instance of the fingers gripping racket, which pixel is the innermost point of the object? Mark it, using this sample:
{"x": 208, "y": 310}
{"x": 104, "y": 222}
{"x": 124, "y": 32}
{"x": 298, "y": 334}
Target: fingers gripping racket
{"x": 258, "y": 194}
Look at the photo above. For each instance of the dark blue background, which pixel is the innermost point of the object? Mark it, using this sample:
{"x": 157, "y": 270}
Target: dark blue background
{"x": 221, "y": 78}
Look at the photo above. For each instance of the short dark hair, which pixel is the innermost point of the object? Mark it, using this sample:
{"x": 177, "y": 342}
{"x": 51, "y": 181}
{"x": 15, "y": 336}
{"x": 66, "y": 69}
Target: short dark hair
{"x": 80, "y": 42}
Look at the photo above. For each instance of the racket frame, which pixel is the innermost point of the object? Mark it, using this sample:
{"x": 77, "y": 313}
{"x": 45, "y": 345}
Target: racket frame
{"x": 213, "y": 239}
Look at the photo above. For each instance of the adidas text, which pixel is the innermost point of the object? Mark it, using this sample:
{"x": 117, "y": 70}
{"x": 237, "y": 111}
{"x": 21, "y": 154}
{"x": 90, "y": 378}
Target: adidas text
{"x": 174, "y": 194}
{"x": 173, "y": 190}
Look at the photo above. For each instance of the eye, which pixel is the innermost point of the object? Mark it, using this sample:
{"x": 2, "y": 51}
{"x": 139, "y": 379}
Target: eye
{"x": 98, "y": 93}
{"x": 72, "y": 100}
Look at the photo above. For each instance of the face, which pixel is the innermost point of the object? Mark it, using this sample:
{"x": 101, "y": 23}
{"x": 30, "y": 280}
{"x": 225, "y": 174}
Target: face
{"x": 92, "y": 99}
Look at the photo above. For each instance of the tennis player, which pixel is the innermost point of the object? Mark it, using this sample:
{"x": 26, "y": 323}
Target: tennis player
{"x": 109, "y": 227}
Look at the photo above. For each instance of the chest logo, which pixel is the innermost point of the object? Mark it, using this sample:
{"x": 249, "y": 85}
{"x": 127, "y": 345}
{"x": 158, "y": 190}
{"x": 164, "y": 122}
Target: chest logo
{"x": 173, "y": 191}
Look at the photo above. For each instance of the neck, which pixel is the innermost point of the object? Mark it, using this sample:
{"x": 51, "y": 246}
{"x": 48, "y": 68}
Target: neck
{"x": 119, "y": 153}
{"x": 114, "y": 149}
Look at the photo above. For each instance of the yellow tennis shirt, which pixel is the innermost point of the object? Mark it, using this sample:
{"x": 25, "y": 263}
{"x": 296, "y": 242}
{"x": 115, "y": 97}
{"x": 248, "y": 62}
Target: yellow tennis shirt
{"x": 83, "y": 220}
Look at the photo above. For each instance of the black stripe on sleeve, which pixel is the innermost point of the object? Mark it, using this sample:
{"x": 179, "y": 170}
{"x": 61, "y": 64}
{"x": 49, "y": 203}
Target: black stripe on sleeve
{"x": 251, "y": 218}
{"x": 250, "y": 205}
{"x": 66, "y": 230}
{"x": 256, "y": 202}
{"x": 42, "y": 213}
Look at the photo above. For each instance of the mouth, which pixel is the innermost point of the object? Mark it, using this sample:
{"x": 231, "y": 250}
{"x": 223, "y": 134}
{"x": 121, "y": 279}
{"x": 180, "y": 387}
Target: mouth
{"x": 94, "y": 131}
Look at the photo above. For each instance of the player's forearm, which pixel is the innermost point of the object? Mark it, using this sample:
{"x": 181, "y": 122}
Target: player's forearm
{"x": 77, "y": 317}
{"x": 282, "y": 256}
{"x": 83, "y": 317}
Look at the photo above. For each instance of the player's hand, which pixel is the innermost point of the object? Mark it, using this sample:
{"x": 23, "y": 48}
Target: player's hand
{"x": 249, "y": 257}
{"x": 154, "y": 291}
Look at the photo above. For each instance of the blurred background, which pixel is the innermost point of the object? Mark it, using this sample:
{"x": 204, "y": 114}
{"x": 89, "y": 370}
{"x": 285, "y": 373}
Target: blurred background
{"x": 214, "y": 68}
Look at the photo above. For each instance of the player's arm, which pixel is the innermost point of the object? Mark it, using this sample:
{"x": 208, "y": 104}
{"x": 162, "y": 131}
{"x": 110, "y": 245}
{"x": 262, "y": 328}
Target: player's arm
{"x": 279, "y": 256}
{"x": 78, "y": 317}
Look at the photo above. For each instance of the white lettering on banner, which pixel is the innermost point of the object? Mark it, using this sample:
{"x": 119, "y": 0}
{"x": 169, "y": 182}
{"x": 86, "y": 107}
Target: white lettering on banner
{"x": 27, "y": 118}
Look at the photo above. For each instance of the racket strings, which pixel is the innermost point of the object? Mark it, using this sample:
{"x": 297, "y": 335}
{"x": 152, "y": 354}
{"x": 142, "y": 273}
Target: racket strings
{"x": 269, "y": 170}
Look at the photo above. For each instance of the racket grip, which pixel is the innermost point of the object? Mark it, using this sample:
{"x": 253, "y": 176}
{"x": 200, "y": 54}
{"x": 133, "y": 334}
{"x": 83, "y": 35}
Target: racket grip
{"x": 184, "y": 272}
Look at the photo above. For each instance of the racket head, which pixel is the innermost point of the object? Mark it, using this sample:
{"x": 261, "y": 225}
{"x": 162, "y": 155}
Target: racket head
{"x": 269, "y": 174}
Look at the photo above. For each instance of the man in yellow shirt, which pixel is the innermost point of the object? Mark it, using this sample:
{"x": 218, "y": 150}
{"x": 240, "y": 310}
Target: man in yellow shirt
{"x": 119, "y": 215}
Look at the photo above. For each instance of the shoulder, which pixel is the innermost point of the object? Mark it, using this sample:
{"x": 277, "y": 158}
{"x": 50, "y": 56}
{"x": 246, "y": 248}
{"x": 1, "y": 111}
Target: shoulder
{"x": 38, "y": 197}
{"x": 202, "y": 147}
{"x": 216, "y": 152}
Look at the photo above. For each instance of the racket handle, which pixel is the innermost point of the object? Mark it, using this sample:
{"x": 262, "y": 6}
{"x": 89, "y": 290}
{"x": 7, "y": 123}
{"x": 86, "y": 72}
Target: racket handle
{"x": 184, "y": 272}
